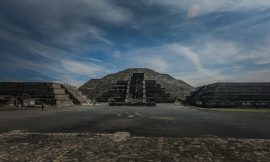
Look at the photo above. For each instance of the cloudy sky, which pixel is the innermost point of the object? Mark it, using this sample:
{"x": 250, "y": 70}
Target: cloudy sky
{"x": 198, "y": 41}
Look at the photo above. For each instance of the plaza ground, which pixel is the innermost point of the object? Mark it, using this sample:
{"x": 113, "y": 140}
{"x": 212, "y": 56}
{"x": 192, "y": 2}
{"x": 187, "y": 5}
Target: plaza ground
{"x": 80, "y": 147}
{"x": 164, "y": 120}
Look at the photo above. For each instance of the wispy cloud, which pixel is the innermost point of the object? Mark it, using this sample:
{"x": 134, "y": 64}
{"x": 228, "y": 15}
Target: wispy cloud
{"x": 201, "y": 7}
{"x": 193, "y": 11}
{"x": 210, "y": 61}
{"x": 48, "y": 37}
{"x": 60, "y": 70}
{"x": 153, "y": 62}
{"x": 193, "y": 58}
{"x": 79, "y": 68}
{"x": 199, "y": 41}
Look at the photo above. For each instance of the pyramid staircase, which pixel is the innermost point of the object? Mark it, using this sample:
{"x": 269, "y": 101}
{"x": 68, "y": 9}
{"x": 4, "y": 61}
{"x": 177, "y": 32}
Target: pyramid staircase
{"x": 135, "y": 90}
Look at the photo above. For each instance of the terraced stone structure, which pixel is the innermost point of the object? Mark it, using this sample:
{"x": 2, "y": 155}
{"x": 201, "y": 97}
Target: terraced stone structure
{"x": 136, "y": 85}
{"x": 231, "y": 95}
{"x": 34, "y": 93}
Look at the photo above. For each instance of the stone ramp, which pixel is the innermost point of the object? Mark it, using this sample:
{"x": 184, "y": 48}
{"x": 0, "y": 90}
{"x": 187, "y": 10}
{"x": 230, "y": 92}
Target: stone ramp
{"x": 76, "y": 95}
{"x": 231, "y": 95}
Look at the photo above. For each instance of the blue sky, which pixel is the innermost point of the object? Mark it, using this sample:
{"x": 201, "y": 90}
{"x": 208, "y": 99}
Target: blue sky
{"x": 198, "y": 41}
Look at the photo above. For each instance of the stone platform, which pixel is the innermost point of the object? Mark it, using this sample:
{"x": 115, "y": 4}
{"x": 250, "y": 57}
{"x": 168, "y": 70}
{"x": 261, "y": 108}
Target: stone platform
{"x": 231, "y": 95}
{"x": 132, "y": 104}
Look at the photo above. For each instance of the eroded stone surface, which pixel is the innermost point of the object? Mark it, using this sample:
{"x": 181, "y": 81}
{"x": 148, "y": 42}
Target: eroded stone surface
{"x": 23, "y": 146}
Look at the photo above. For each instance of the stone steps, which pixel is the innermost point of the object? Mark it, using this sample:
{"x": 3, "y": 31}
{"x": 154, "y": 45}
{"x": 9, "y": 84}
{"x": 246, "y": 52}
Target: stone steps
{"x": 75, "y": 94}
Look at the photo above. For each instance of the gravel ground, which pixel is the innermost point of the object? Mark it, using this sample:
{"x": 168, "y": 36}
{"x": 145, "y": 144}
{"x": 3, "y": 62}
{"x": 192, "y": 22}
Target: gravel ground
{"x": 23, "y": 146}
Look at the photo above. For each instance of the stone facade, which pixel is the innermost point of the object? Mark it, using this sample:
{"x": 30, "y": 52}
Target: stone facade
{"x": 155, "y": 86}
{"x": 231, "y": 95}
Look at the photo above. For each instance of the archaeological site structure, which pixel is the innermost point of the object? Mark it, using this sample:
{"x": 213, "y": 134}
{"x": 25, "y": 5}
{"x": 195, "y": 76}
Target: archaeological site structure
{"x": 36, "y": 93}
{"x": 231, "y": 95}
{"x": 138, "y": 86}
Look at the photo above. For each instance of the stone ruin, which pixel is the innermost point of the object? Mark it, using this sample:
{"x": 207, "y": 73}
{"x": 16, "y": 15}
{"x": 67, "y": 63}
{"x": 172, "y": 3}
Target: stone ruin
{"x": 137, "y": 85}
{"x": 36, "y": 93}
{"x": 231, "y": 95}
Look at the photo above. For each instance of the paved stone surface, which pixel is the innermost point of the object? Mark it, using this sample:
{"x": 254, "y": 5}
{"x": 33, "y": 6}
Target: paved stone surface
{"x": 22, "y": 146}
{"x": 164, "y": 120}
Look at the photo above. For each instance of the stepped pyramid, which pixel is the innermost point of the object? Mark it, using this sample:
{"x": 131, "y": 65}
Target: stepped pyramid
{"x": 40, "y": 92}
{"x": 136, "y": 84}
